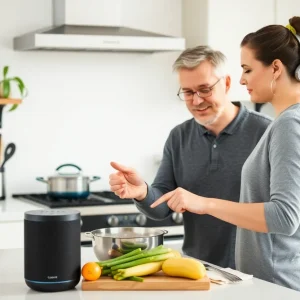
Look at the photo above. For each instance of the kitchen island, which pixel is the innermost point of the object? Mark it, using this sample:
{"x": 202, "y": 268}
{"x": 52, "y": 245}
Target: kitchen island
{"x": 13, "y": 287}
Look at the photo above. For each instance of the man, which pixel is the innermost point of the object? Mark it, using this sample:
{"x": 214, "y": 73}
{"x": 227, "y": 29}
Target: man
{"x": 202, "y": 156}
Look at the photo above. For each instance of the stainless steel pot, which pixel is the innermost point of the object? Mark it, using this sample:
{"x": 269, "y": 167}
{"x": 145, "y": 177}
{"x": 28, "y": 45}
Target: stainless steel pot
{"x": 116, "y": 241}
{"x": 68, "y": 185}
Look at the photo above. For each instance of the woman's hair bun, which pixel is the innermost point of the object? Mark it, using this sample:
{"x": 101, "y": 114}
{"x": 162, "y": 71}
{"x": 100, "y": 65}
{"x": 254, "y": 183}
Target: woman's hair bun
{"x": 295, "y": 22}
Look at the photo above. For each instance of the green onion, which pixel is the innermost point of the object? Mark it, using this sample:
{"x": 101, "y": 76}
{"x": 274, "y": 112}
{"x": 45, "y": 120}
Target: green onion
{"x": 145, "y": 260}
{"x": 104, "y": 262}
{"x": 136, "y": 278}
{"x": 144, "y": 254}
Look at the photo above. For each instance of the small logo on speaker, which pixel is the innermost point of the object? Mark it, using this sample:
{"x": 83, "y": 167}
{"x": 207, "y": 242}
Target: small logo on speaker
{"x": 52, "y": 277}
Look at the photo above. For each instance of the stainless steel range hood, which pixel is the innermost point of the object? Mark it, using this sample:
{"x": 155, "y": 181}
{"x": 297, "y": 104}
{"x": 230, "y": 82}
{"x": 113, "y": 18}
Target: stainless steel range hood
{"x": 76, "y": 30}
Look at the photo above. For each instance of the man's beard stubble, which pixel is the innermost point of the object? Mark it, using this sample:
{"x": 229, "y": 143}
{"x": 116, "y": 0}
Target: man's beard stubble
{"x": 212, "y": 120}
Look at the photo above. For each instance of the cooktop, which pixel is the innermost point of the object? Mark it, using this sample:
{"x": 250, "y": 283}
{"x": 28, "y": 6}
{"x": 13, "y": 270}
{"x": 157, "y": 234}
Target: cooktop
{"x": 95, "y": 198}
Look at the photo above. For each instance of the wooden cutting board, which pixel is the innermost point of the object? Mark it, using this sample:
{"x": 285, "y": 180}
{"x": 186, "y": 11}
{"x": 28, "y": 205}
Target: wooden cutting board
{"x": 155, "y": 282}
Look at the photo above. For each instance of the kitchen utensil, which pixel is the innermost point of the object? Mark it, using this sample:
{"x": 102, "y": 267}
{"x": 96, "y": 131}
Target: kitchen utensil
{"x": 68, "y": 185}
{"x": 115, "y": 241}
{"x": 154, "y": 282}
{"x": 52, "y": 253}
{"x": 227, "y": 275}
{"x": 8, "y": 153}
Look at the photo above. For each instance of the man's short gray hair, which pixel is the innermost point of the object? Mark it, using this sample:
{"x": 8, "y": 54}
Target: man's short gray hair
{"x": 192, "y": 57}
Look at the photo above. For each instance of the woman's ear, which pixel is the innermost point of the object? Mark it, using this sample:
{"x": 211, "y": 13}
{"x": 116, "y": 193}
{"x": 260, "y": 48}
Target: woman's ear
{"x": 227, "y": 83}
{"x": 277, "y": 66}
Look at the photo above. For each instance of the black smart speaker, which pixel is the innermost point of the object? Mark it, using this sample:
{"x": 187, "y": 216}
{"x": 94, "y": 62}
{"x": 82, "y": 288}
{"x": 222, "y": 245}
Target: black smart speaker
{"x": 52, "y": 259}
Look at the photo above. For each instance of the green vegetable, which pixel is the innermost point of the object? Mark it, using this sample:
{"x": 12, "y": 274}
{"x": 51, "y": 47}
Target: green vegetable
{"x": 144, "y": 254}
{"x": 135, "y": 278}
{"x": 130, "y": 245}
{"x": 145, "y": 260}
{"x": 125, "y": 251}
{"x": 104, "y": 262}
{"x": 105, "y": 272}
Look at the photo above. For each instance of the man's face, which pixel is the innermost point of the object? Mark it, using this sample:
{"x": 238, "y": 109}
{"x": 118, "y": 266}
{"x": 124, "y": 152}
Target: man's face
{"x": 206, "y": 110}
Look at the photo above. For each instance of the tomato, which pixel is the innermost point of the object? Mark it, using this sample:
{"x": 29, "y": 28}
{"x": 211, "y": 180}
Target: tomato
{"x": 91, "y": 271}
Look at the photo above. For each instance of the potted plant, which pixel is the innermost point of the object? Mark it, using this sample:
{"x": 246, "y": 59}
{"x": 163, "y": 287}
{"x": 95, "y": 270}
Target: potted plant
{"x": 5, "y": 89}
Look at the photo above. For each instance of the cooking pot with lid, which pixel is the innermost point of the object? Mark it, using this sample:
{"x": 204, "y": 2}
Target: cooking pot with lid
{"x": 68, "y": 185}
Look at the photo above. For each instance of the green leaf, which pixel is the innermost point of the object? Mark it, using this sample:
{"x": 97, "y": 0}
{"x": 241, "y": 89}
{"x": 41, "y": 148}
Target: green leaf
{"x": 13, "y": 107}
{"x": 5, "y": 70}
{"x": 25, "y": 92}
{"x": 20, "y": 84}
{"x": 6, "y": 88}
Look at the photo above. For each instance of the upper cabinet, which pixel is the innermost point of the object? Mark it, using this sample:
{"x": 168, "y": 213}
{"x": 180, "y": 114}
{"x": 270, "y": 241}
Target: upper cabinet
{"x": 285, "y": 9}
{"x": 222, "y": 25}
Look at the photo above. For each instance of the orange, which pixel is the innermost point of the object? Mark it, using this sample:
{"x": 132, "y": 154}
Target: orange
{"x": 91, "y": 271}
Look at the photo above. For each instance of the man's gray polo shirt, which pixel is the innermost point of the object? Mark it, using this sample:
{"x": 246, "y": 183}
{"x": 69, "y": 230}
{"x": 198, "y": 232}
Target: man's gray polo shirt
{"x": 210, "y": 166}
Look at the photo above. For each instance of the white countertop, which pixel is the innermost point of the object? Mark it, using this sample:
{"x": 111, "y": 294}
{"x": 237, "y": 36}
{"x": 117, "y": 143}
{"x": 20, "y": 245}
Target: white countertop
{"x": 12, "y": 210}
{"x": 13, "y": 287}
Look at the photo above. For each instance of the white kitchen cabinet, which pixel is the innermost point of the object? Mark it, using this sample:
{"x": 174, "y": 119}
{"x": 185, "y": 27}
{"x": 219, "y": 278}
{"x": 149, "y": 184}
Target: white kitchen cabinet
{"x": 285, "y": 9}
{"x": 12, "y": 234}
{"x": 222, "y": 25}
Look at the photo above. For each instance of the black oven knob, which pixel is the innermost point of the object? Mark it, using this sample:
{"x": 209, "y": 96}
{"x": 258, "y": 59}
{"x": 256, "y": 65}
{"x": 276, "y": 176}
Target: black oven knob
{"x": 177, "y": 218}
{"x": 141, "y": 220}
{"x": 113, "y": 221}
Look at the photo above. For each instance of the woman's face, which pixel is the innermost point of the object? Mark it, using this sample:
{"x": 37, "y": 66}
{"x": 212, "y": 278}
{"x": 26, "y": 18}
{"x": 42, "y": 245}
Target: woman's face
{"x": 256, "y": 77}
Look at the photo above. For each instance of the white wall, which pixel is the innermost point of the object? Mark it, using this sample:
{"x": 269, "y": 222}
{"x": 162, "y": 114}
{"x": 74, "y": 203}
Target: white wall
{"x": 85, "y": 108}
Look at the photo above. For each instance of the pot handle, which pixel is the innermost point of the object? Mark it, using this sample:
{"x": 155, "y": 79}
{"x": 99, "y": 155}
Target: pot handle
{"x": 68, "y": 165}
{"x": 89, "y": 235}
{"x": 41, "y": 179}
{"x": 94, "y": 178}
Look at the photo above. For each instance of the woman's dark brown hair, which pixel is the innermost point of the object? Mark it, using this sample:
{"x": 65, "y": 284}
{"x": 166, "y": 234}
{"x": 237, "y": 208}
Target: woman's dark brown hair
{"x": 276, "y": 42}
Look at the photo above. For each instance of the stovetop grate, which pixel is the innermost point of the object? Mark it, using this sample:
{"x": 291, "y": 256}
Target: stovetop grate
{"x": 95, "y": 198}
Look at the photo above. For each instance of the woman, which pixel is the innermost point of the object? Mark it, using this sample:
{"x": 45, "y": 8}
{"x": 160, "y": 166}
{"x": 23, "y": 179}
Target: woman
{"x": 268, "y": 215}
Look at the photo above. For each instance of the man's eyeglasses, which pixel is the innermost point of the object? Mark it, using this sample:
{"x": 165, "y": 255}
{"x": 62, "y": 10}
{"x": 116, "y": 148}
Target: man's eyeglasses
{"x": 202, "y": 93}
